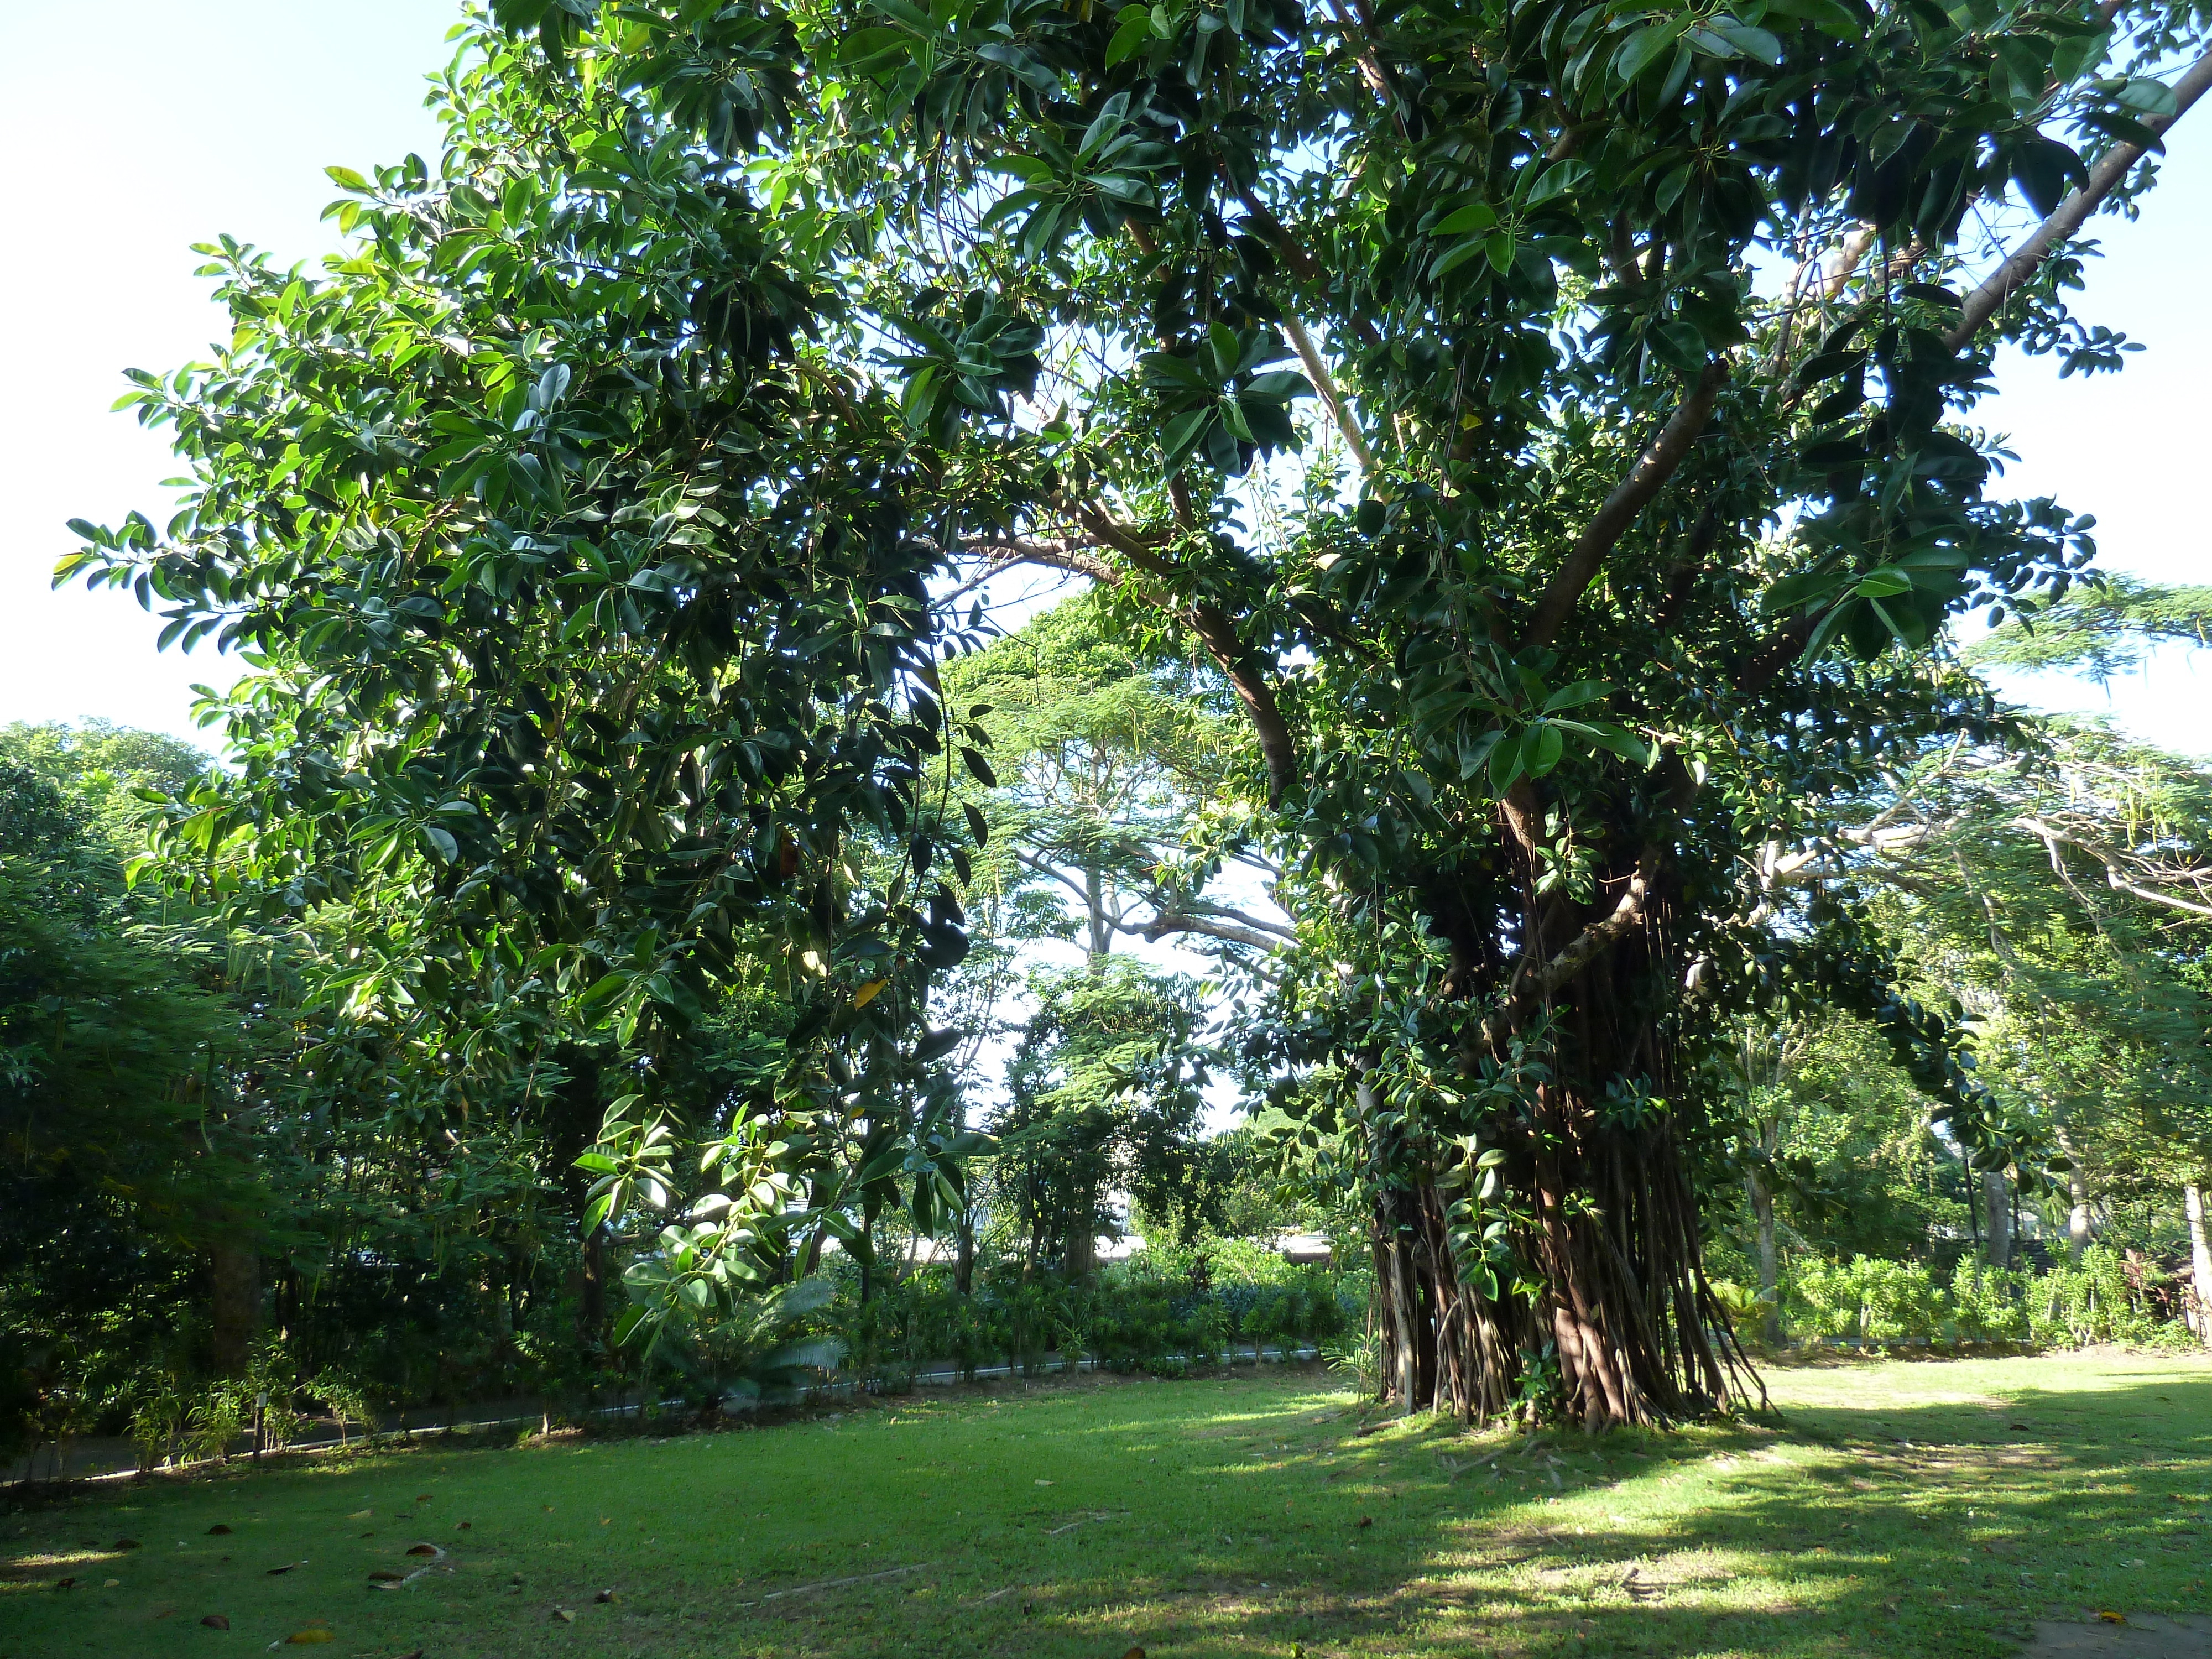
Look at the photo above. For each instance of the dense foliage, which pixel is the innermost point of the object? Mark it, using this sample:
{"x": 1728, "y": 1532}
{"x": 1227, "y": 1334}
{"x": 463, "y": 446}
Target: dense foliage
{"x": 599, "y": 528}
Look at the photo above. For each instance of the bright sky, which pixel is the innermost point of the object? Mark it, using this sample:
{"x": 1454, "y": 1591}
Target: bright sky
{"x": 220, "y": 116}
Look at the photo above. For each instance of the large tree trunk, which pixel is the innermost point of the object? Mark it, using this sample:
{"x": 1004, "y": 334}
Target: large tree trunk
{"x": 2200, "y": 1261}
{"x": 1079, "y": 1256}
{"x": 1098, "y": 926}
{"x": 1770, "y": 1277}
{"x": 234, "y": 1303}
{"x": 1557, "y": 1167}
{"x": 1624, "y": 1313}
{"x": 1996, "y": 1219}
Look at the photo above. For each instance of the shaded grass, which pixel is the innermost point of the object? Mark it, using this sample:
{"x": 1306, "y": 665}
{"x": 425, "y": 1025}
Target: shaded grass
{"x": 1926, "y": 1508}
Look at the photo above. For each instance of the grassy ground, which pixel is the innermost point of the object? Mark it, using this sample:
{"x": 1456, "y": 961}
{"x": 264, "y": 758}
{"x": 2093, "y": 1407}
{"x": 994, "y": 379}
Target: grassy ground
{"x": 1898, "y": 1508}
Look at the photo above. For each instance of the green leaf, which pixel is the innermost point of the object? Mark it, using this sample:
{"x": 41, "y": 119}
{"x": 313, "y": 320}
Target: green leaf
{"x": 1752, "y": 41}
{"x": 1882, "y": 584}
{"x": 1575, "y": 696}
{"x": 1476, "y": 215}
{"x": 1645, "y": 47}
{"x": 1135, "y": 29}
{"x": 1474, "y": 247}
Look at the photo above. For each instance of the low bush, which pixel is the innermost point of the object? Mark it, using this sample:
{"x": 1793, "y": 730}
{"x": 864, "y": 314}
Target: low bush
{"x": 1153, "y": 1314}
{"x": 2103, "y": 1298}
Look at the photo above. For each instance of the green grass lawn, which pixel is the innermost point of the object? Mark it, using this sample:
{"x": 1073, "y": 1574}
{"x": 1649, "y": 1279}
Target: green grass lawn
{"x": 1898, "y": 1508}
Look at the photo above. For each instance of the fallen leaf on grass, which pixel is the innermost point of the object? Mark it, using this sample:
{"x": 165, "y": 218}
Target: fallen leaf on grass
{"x": 1134, "y": 1653}
{"x": 163, "y": 1612}
{"x": 110, "y": 1583}
{"x": 362, "y": 1514}
{"x": 300, "y": 1638}
{"x": 2113, "y": 1618}
{"x": 422, "y": 1496}
{"x": 218, "y": 1530}
{"x": 386, "y": 1576}
{"x": 1044, "y": 1483}
{"x": 125, "y": 1544}
{"x": 1365, "y": 1521}
{"x": 215, "y": 1621}
{"x": 431, "y": 1550}
{"x": 464, "y": 1526}
{"x": 287, "y": 1567}
{"x": 564, "y": 1615}
{"x": 607, "y": 1595}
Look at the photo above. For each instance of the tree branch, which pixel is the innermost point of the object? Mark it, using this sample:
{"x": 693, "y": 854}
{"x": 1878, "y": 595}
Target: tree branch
{"x": 1324, "y": 389}
{"x": 1602, "y": 934}
{"x": 1044, "y": 868}
{"x": 1228, "y": 932}
{"x": 1593, "y": 942}
{"x": 2116, "y": 875}
{"x": 1356, "y": 37}
{"x": 1645, "y": 479}
{"x": 1247, "y": 676}
{"x": 1983, "y": 303}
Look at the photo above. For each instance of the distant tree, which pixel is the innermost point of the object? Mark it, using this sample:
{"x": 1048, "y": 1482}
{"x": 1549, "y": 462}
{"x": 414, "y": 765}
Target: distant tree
{"x": 1104, "y": 1095}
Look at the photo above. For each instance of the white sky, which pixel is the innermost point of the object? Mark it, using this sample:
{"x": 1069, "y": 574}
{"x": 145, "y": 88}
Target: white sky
{"x": 221, "y": 115}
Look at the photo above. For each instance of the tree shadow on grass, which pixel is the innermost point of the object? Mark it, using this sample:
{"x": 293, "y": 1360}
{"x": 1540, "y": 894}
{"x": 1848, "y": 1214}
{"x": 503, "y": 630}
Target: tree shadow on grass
{"x": 1929, "y": 1529}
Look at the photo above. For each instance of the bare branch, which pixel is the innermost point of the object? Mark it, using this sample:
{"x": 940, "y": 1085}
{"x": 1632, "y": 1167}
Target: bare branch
{"x": 1229, "y": 932}
{"x": 2070, "y": 213}
{"x": 2118, "y": 876}
{"x": 1324, "y": 389}
{"x": 1229, "y": 913}
{"x": 1044, "y": 868}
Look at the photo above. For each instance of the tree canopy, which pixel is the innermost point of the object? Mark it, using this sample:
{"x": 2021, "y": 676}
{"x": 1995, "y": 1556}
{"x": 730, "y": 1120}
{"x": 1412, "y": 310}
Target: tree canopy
{"x": 579, "y": 526}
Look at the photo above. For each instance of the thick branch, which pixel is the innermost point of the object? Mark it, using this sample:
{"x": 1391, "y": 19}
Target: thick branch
{"x": 1054, "y": 555}
{"x": 1229, "y": 932}
{"x": 1247, "y": 678}
{"x": 1593, "y": 942}
{"x": 1231, "y": 913}
{"x": 2070, "y": 215}
{"x": 1602, "y": 934}
{"x": 1645, "y": 479}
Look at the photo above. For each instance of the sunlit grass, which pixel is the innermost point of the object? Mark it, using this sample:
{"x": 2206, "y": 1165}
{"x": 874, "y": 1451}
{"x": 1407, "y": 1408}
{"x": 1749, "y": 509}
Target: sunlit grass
{"x": 1889, "y": 1509}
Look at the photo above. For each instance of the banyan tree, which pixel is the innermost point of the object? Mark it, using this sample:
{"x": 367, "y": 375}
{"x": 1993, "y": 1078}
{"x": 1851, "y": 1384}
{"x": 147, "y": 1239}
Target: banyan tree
{"x": 1552, "y": 421}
